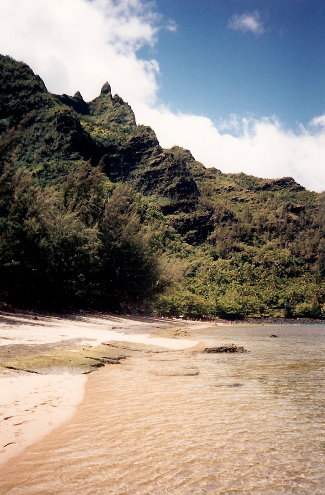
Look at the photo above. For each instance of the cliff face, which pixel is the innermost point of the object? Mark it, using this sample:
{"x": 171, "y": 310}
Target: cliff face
{"x": 52, "y": 135}
{"x": 21, "y": 92}
{"x": 231, "y": 244}
{"x": 38, "y": 131}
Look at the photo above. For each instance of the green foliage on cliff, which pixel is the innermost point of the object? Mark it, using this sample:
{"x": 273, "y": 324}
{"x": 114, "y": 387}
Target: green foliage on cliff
{"x": 94, "y": 213}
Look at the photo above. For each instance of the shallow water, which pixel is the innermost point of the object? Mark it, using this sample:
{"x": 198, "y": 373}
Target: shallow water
{"x": 181, "y": 423}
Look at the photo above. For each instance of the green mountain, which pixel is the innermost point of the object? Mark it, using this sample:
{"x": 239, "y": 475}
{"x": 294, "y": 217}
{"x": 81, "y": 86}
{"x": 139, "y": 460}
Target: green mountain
{"x": 95, "y": 213}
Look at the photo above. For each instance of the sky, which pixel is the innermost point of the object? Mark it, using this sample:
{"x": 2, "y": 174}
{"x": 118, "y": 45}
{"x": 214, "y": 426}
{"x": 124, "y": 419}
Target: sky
{"x": 240, "y": 83}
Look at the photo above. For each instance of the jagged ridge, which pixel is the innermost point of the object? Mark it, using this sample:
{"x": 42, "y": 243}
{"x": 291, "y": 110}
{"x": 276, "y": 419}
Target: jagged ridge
{"x": 234, "y": 220}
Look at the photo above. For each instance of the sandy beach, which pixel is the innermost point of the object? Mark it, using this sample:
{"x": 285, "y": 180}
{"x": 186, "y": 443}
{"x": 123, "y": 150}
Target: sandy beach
{"x": 162, "y": 414}
{"x": 45, "y": 361}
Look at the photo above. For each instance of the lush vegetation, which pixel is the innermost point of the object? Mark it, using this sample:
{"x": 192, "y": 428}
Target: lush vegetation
{"x": 95, "y": 214}
{"x": 73, "y": 246}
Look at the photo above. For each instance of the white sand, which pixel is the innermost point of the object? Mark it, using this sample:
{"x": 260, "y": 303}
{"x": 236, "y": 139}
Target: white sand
{"x": 92, "y": 330}
{"x": 31, "y": 405}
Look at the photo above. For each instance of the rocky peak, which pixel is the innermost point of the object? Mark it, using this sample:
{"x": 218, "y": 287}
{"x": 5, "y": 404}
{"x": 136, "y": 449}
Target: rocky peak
{"x": 76, "y": 102}
{"x": 283, "y": 183}
{"x": 118, "y": 99}
{"x": 111, "y": 111}
{"x": 78, "y": 95}
{"x": 106, "y": 89}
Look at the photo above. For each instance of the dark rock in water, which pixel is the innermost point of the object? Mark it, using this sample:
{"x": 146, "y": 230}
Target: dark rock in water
{"x": 225, "y": 348}
{"x": 273, "y": 335}
{"x": 97, "y": 365}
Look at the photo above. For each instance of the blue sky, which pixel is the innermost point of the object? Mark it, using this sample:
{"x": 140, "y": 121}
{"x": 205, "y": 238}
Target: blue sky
{"x": 208, "y": 68}
{"x": 240, "y": 83}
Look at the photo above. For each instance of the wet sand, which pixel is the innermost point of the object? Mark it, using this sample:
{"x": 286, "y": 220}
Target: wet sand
{"x": 188, "y": 423}
{"x": 45, "y": 361}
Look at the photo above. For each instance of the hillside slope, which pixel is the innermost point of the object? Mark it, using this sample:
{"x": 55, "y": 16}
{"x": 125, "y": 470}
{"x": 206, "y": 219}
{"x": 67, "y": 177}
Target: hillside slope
{"x": 94, "y": 211}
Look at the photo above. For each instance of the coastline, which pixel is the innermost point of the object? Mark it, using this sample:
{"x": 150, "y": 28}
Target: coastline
{"x": 45, "y": 360}
{"x": 33, "y": 405}
{"x": 190, "y": 421}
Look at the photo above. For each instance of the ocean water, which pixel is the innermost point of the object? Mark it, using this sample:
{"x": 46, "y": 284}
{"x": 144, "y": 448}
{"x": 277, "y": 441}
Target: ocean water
{"x": 182, "y": 422}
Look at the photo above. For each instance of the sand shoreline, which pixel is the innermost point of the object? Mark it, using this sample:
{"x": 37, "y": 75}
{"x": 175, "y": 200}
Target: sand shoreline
{"x": 44, "y": 362}
{"x": 45, "y": 359}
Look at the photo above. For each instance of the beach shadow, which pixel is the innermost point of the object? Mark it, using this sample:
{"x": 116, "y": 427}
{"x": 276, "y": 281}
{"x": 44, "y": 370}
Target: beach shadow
{"x": 21, "y": 319}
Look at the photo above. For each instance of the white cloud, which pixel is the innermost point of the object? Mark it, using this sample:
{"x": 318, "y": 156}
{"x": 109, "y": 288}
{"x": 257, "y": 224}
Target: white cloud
{"x": 247, "y": 23}
{"x": 80, "y": 44}
{"x": 171, "y": 26}
{"x": 318, "y": 121}
{"x": 260, "y": 147}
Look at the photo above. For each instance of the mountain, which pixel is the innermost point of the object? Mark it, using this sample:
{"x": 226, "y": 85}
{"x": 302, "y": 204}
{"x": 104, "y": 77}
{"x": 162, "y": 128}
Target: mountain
{"x": 94, "y": 212}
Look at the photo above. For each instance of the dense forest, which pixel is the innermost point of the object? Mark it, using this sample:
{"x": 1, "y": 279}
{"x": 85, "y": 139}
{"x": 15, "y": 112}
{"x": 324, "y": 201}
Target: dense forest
{"x": 95, "y": 214}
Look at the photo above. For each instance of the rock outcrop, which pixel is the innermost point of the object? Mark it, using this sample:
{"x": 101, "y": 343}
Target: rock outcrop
{"x": 227, "y": 348}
